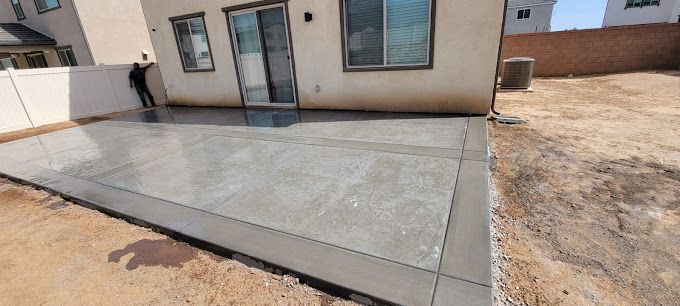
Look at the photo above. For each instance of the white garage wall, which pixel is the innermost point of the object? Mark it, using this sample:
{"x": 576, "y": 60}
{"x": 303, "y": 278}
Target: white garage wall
{"x": 52, "y": 95}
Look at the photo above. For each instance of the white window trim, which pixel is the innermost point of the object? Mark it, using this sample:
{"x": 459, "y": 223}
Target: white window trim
{"x": 191, "y": 34}
{"x": 66, "y": 56}
{"x": 385, "y": 65}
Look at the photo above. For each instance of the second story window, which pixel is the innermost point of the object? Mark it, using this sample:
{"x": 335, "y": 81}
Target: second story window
{"x": 641, "y": 3}
{"x": 36, "y": 60}
{"x": 47, "y": 5}
{"x": 524, "y": 14}
{"x": 66, "y": 56}
{"x": 18, "y": 10}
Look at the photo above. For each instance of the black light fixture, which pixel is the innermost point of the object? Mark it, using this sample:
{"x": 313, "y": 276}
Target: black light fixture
{"x": 308, "y": 16}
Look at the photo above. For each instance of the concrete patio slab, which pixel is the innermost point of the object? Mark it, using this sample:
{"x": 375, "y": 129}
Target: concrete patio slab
{"x": 393, "y": 207}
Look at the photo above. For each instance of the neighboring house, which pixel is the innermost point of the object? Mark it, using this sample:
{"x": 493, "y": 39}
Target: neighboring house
{"x": 627, "y": 12}
{"x": 329, "y": 54}
{"x": 528, "y": 16}
{"x": 55, "y": 33}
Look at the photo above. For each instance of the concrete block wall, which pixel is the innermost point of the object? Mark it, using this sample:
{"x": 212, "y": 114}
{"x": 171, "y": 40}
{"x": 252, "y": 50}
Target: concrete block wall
{"x": 597, "y": 51}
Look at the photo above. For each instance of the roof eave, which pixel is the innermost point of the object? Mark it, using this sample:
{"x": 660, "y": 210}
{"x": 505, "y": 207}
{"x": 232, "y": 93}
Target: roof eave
{"x": 27, "y": 43}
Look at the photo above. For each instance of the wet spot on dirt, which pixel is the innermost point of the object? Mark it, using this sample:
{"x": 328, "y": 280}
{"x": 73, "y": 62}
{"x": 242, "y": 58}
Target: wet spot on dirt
{"x": 58, "y": 205}
{"x": 165, "y": 252}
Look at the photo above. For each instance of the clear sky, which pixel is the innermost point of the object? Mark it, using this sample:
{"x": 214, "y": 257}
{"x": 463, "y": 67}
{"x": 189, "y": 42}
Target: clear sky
{"x": 580, "y": 14}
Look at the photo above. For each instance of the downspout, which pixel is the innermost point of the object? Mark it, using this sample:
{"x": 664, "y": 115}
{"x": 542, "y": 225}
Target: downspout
{"x": 82, "y": 30}
{"x": 498, "y": 61}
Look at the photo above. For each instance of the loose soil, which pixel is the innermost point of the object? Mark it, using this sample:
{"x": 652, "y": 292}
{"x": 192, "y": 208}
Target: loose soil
{"x": 55, "y": 252}
{"x": 587, "y": 192}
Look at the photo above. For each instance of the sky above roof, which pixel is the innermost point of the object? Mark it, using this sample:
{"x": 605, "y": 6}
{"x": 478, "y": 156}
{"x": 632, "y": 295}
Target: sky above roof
{"x": 580, "y": 14}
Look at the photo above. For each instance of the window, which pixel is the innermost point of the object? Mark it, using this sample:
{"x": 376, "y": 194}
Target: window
{"x": 387, "y": 34}
{"x": 192, "y": 42}
{"x": 36, "y": 60}
{"x": 66, "y": 56}
{"x": 524, "y": 14}
{"x": 7, "y": 61}
{"x": 642, "y": 3}
{"x": 46, "y": 5}
{"x": 18, "y": 10}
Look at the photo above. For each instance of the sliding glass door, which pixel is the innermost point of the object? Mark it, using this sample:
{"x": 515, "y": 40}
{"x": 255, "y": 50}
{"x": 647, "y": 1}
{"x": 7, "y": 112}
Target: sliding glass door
{"x": 263, "y": 56}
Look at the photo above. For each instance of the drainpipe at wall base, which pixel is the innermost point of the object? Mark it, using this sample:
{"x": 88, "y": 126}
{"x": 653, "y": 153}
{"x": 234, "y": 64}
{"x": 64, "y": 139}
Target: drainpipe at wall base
{"x": 498, "y": 59}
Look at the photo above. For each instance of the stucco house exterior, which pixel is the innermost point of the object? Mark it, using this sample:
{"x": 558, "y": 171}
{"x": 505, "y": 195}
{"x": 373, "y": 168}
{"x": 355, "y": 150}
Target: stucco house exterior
{"x": 628, "y": 12}
{"x": 382, "y": 55}
{"x": 528, "y": 16}
{"x": 55, "y": 33}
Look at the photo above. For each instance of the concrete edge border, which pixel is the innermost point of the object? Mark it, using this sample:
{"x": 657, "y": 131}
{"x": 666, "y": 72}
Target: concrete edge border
{"x": 334, "y": 270}
{"x": 465, "y": 268}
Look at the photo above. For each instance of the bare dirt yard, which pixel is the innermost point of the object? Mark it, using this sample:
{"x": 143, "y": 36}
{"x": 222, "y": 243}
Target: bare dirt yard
{"x": 587, "y": 192}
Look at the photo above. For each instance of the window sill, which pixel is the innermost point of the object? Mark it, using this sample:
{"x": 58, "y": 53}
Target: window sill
{"x": 198, "y": 70}
{"x": 387, "y": 68}
{"x": 48, "y": 10}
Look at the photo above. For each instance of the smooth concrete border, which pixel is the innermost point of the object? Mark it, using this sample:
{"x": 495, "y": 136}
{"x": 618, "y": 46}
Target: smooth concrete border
{"x": 376, "y": 277}
{"x": 451, "y": 291}
{"x": 476, "y": 138}
{"x": 467, "y": 247}
{"x": 465, "y": 269}
{"x": 338, "y": 269}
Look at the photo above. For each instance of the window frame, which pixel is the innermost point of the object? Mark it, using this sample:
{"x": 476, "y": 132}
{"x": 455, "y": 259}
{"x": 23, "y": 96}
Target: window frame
{"x": 187, "y": 17}
{"x": 64, "y": 48}
{"x": 8, "y": 56}
{"x": 346, "y": 67}
{"x": 31, "y": 63}
{"x": 634, "y": 3}
{"x": 48, "y": 9}
{"x": 524, "y": 12}
{"x": 23, "y": 14}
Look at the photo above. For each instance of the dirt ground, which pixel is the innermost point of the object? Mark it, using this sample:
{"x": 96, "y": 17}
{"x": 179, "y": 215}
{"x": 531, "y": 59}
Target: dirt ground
{"x": 587, "y": 193}
{"x": 55, "y": 252}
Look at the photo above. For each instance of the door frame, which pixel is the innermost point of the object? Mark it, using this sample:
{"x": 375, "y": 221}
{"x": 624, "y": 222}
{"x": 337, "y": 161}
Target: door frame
{"x": 250, "y": 8}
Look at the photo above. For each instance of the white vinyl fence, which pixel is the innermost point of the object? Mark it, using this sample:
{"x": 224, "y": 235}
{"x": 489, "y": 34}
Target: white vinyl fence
{"x": 35, "y": 97}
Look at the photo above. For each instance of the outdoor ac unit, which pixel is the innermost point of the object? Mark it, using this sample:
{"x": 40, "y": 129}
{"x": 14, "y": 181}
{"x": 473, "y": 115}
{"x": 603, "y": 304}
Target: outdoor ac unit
{"x": 517, "y": 72}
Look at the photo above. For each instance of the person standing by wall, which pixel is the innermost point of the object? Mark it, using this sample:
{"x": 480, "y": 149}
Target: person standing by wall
{"x": 138, "y": 78}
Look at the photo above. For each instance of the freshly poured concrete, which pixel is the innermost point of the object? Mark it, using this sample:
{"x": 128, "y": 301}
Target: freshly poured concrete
{"x": 360, "y": 187}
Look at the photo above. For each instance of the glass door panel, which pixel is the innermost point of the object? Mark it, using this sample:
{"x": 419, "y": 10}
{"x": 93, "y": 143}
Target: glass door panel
{"x": 263, "y": 54}
{"x": 251, "y": 58}
{"x": 275, "y": 40}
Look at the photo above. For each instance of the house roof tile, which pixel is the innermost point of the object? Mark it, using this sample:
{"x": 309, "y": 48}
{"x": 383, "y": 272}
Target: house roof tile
{"x": 17, "y": 34}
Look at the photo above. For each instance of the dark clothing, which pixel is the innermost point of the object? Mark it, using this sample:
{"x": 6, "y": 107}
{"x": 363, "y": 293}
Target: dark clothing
{"x": 138, "y": 76}
{"x": 143, "y": 89}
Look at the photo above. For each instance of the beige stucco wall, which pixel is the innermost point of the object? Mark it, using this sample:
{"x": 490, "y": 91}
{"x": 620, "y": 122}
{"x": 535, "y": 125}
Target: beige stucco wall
{"x": 466, "y": 48}
{"x": 115, "y": 30}
{"x": 61, "y": 24}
